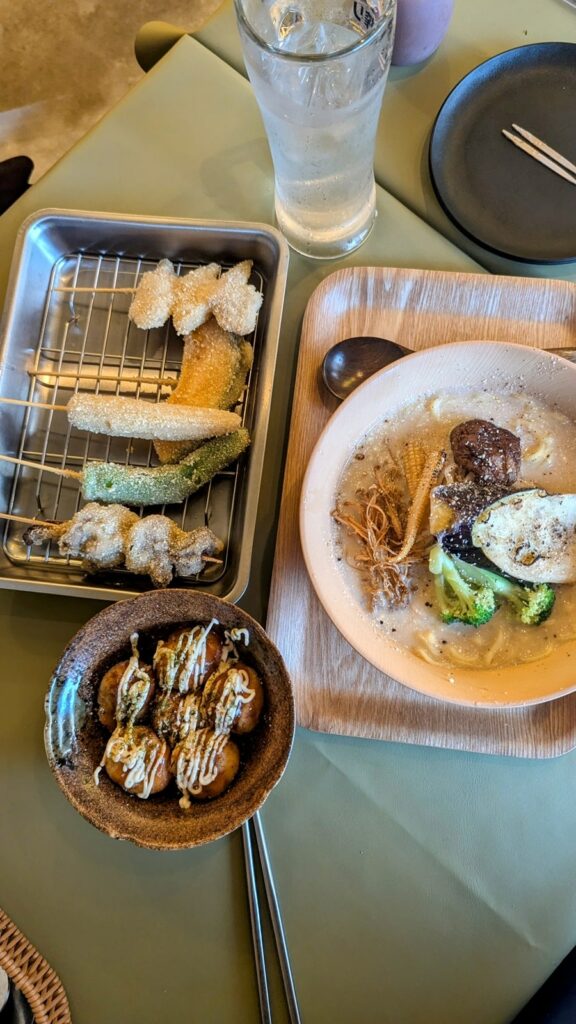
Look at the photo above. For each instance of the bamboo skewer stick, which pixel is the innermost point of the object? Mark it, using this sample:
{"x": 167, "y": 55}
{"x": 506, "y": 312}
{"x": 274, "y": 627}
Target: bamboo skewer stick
{"x": 82, "y": 288}
{"x": 25, "y": 520}
{"x": 59, "y": 470}
{"x": 32, "y": 405}
{"x": 104, "y": 378}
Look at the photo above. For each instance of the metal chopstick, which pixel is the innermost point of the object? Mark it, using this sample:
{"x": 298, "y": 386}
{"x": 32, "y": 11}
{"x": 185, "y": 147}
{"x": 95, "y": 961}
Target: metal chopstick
{"x": 540, "y": 156}
{"x": 277, "y": 925}
{"x": 256, "y": 926}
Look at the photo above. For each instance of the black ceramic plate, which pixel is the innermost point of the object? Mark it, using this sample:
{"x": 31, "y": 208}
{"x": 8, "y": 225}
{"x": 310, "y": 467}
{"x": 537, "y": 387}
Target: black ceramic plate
{"x": 495, "y": 193}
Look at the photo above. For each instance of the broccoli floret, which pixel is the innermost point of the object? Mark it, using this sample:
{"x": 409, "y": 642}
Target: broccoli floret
{"x": 531, "y": 605}
{"x": 458, "y": 599}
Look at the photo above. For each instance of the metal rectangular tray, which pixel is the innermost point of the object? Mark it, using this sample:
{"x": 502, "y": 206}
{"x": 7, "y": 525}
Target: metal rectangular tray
{"x": 54, "y": 343}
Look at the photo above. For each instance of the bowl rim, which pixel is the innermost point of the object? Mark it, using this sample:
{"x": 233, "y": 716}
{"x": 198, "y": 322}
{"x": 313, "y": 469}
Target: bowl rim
{"x": 314, "y": 543}
{"x": 54, "y": 733}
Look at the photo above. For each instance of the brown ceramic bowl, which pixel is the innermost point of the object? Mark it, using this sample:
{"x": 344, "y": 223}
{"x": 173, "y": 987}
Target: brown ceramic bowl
{"x": 75, "y": 740}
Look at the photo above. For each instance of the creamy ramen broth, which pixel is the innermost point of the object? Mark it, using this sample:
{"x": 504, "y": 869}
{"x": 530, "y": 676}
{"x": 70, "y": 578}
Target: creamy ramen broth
{"x": 548, "y": 443}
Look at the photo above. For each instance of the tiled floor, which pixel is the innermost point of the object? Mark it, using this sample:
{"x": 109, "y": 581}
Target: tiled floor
{"x": 64, "y": 63}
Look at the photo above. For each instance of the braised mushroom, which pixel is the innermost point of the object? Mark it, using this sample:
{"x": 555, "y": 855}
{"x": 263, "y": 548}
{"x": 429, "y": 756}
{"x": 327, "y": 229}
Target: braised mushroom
{"x": 489, "y": 453}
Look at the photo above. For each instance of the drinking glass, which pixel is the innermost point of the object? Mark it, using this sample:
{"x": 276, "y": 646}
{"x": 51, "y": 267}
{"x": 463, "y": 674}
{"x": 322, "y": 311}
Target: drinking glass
{"x": 318, "y": 69}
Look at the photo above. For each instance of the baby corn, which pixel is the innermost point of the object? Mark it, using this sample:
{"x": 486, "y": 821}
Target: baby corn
{"x": 429, "y": 477}
{"x": 413, "y": 462}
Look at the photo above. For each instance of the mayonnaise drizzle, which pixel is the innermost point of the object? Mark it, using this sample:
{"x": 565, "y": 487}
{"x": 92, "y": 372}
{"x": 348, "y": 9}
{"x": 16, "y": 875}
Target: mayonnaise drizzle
{"x": 231, "y": 638}
{"x": 188, "y": 715}
{"x": 132, "y": 752}
{"x": 185, "y": 662}
{"x": 196, "y": 765}
{"x": 196, "y": 762}
{"x": 133, "y": 688}
{"x": 235, "y": 693}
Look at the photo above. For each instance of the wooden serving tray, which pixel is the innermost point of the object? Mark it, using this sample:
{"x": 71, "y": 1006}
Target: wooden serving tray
{"x": 336, "y": 690}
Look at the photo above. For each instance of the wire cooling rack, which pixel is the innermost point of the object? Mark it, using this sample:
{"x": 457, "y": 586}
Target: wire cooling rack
{"x": 87, "y": 344}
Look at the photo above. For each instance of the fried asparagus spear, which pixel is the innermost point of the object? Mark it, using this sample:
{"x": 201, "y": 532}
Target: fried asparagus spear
{"x": 162, "y": 485}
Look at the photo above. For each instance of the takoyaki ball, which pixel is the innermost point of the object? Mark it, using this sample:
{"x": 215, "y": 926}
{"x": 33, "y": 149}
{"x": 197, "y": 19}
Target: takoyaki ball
{"x": 227, "y": 765}
{"x": 173, "y": 716}
{"x": 138, "y": 760}
{"x": 240, "y": 681}
{"x": 179, "y": 672}
{"x": 200, "y": 776}
{"x": 164, "y": 715}
{"x": 108, "y": 695}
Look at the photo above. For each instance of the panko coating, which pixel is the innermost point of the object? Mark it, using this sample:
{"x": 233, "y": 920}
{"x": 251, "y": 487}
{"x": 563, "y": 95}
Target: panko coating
{"x": 96, "y": 534}
{"x": 154, "y": 295}
{"x": 235, "y": 303}
{"x": 192, "y": 295}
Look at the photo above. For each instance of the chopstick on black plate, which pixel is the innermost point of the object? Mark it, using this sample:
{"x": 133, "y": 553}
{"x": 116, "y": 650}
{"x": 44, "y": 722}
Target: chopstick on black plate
{"x": 255, "y": 824}
{"x": 541, "y": 152}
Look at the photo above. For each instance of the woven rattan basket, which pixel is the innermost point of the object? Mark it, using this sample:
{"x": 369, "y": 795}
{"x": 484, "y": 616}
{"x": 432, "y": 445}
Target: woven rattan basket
{"x": 32, "y": 975}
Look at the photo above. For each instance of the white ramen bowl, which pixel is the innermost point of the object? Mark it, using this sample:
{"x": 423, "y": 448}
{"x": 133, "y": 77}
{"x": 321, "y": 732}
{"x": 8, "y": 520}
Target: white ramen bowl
{"x": 476, "y": 365}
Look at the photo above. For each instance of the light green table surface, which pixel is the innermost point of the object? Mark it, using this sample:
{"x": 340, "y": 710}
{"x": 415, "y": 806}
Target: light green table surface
{"x": 417, "y": 885}
{"x": 413, "y": 96}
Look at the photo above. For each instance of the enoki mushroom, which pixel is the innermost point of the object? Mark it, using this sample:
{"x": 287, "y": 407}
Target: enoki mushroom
{"x": 387, "y": 519}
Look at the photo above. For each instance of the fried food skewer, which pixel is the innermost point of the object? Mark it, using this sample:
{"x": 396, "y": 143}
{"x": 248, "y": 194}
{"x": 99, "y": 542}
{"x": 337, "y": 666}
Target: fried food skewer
{"x": 112, "y": 537}
{"x": 194, "y": 297}
{"x": 150, "y": 485}
{"x": 191, "y": 299}
{"x": 121, "y": 416}
{"x": 131, "y": 417}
